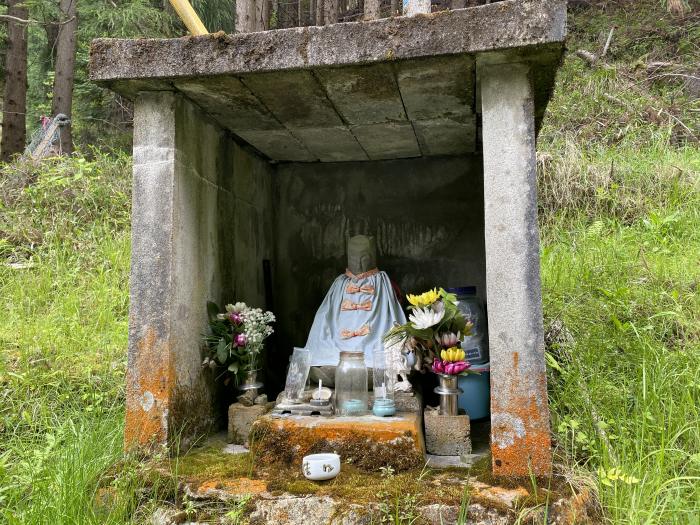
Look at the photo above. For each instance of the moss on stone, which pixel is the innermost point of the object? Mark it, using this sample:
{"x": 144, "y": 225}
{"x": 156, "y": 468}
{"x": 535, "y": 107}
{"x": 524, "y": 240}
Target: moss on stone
{"x": 272, "y": 445}
{"x": 209, "y": 463}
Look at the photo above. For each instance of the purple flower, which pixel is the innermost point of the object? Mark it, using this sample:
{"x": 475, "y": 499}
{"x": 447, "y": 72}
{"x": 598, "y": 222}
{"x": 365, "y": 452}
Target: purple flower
{"x": 235, "y": 317}
{"x": 456, "y": 368}
{"x": 241, "y": 340}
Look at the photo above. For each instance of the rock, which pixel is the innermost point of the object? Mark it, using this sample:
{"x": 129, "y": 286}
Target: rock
{"x": 308, "y": 511}
{"x": 293, "y": 511}
{"x": 261, "y": 400}
{"x": 246, "y": 399}
{"x": 438, "y": 514}
{"x": 447, "y": 435}
{"x": 498, "y": 497}
{"x": 230, "y": 448}
{"x": 168, "y": 516}
{"x": 241, "y": 419}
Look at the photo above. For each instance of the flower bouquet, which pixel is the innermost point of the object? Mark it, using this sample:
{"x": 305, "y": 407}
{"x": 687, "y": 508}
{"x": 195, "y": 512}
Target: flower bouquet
{"x": 434, "y": 331}
{"x": 236, "y": 339}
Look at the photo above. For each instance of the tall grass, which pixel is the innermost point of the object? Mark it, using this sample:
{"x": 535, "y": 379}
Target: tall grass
{"x": 64, "y": 238}
{"x": 620, "y": 215}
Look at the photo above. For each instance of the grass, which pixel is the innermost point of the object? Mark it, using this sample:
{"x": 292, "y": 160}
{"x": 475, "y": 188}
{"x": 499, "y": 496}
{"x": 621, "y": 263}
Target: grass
{"x": 620, "y": 225}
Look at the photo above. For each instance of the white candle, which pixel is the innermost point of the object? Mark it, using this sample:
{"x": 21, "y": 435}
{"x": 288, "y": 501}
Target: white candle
{"x": 320, "y": 382}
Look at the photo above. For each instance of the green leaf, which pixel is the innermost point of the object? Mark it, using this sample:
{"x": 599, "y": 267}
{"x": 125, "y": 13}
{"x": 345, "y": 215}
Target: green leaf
{"x": 233, "y": 367}
{"x": 212, "y": 310}
{"x": 222, "y": 352}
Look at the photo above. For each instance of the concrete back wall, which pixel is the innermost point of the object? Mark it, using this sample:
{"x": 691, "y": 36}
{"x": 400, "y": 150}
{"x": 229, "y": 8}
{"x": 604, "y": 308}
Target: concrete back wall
{"x": 427, "y": 216}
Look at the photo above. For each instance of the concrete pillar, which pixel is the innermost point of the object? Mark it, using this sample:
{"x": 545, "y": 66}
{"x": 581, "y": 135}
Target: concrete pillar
{"x": 415, "y": 7}
{"x": 520, "y": 431}
{"x": 175, "y": 269}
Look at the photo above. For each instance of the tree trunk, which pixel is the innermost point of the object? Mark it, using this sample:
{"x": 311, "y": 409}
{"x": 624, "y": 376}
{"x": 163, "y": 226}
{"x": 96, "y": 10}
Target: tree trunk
{"x": 65, "y": 69}
{"x": 14, "y": 129}
{"x": 330, "y": 12}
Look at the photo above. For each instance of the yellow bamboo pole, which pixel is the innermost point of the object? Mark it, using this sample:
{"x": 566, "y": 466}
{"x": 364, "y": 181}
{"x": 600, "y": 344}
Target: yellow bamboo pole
{"x": 189, "y": 17}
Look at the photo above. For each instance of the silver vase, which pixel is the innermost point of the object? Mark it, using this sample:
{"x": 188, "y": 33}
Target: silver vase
{"x": 448, "y": 391}
{"x": 251, "y": 382}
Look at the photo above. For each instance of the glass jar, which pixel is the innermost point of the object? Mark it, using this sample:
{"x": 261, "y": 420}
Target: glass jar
{"x": 384, "y": 378}
{"x": 351, "y": 396}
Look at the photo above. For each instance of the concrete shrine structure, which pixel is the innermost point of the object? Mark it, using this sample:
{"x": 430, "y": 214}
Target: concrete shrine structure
{"x": 257, "y": 154}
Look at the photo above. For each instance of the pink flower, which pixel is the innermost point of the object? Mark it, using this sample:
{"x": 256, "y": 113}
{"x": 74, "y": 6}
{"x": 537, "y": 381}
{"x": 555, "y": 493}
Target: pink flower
{"x": 438, "y": 366}
{"x": 456, "y": 368}
{"x": 235, "y": 318}
{"x": 241, "y": 340}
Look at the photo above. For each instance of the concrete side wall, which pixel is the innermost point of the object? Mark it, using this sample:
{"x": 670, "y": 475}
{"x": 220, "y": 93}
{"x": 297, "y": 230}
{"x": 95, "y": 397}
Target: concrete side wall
{"x": 201, "y": 208}
{"x": 427, "y": 216}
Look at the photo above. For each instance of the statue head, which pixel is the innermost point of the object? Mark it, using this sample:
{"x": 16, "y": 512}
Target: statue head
{"x": 362, "y": 254}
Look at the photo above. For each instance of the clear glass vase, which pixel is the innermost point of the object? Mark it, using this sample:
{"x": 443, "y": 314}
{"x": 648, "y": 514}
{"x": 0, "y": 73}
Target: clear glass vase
{"x": 351, "y": 396}
{"x": 297, "y": 375}
{"x": 383, "y": 378}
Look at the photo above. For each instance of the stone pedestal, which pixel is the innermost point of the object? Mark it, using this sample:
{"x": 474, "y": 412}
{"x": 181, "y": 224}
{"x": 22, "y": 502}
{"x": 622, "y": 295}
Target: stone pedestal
{"x": 241, "y": 419}
{"x": 368, "y": 442}
{"x": 447, "y": 435}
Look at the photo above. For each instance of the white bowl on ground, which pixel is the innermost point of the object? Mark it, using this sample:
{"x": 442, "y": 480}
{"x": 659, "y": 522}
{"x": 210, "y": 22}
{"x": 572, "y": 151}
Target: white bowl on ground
{"x": 320, "y": 467}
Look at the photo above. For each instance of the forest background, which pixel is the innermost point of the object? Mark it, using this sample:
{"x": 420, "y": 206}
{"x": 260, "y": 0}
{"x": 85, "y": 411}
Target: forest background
{"x": 619, "y": 202}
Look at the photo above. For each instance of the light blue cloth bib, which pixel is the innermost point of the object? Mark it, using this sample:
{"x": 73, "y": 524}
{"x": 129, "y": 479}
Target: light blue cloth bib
{"x": 355, "y": 315}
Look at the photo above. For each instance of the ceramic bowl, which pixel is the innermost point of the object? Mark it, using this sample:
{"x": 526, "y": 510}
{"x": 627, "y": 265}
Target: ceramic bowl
{"x": 320, "y": 467}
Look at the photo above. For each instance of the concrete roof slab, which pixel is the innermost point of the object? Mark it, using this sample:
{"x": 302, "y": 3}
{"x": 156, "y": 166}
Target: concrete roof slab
{"x": 446, "y": 136}
{"x": 295, "y": 98}
{"x": 390, "y": 88}
{"x": 278, "y": 144}
{"x": 387, "y": 141}
{"x": 448, "y": 82}
{"x": 364, "y": 95}
{"x": 501, "y": 25}
{"x": 230, "y": 102}
{"x": 331, "y": 144}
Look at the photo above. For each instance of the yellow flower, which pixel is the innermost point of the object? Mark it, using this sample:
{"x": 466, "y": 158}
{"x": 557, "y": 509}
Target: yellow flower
{"x": 452, "y": 355}
{"x": 424, "y": 299}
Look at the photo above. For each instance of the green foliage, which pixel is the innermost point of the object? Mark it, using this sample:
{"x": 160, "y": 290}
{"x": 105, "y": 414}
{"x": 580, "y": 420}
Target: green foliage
{"x": 619, "y": 200}
{"x": 64, "y": 242}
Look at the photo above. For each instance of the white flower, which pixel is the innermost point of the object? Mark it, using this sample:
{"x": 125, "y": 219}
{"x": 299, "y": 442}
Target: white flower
{"x": 422, "y": 318}
{"x": 237, "y": 308}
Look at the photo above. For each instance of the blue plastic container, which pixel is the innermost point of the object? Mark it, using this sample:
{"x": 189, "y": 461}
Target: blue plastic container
{"x": 475, "y": 399}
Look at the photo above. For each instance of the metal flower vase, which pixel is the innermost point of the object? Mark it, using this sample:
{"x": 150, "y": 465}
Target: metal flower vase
{"x": 251, "y": 382}
{"x": 448, "y": 391}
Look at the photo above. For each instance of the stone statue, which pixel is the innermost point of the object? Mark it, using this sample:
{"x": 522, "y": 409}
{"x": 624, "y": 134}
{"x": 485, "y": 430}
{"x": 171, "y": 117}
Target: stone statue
{"x": 400, "y": 363}
{"x": 358, "y": 310}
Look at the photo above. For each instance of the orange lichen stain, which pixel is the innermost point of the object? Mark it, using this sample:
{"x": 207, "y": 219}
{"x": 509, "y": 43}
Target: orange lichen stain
{"x": 527, "y": 452}
{"x": 150, "y": 383}
{"x": 234, "y": 486}
{"x": 332, "y": 429}
{"x": 516, "y": 360}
